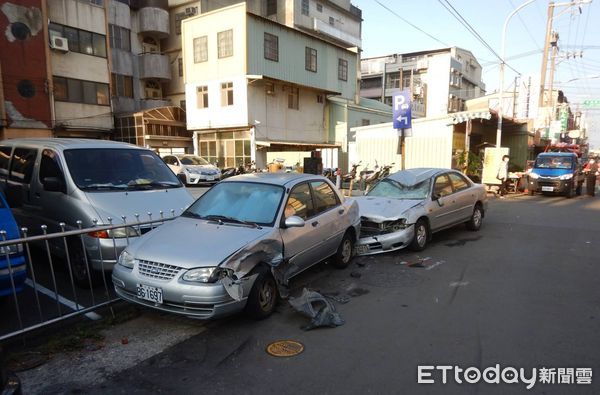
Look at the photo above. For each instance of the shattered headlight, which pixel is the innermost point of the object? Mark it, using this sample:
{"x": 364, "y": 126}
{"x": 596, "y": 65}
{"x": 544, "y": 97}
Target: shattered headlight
{"x": 127, "y": 260}
{"x": 206, "y": 274}
{"x": 395, "y": 226}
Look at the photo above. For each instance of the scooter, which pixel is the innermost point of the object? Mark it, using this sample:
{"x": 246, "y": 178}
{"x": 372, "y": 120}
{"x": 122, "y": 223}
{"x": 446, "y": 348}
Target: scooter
{"x": 372, "y": 178}
{"x": 386, "y": 171}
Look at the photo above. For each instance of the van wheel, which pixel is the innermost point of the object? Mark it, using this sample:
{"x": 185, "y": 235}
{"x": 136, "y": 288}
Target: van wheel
{"x": 419, "y": 241}
{"x": 343, "y": 256}
{"x": 570, "y": 192}
{"x": 80, "y": 269}
{"x": 263, "y": 295}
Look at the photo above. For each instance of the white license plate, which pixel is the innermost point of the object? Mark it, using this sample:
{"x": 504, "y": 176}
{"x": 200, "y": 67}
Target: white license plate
{"x": 361, "y": 249}
{"x": 210, "y": 178}
{"x": 149, "y": 293}
{"x": 547, "y": 189}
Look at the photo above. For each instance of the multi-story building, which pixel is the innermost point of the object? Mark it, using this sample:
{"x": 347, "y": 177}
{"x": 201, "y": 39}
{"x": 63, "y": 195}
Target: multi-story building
{"x": 56, "y": 79}
{"x": 440, "y": 80}
{"x": 254, "y": 85}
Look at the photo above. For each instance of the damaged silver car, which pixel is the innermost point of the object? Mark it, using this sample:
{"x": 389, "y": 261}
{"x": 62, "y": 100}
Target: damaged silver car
{"x": 405, "y": 208}
{"x": 238, "y": 246}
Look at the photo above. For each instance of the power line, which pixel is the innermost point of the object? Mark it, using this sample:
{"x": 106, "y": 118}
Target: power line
{"x": 457, "y": 15}
{"x": 410, "y": 24}
{"x": 526, "y": 28}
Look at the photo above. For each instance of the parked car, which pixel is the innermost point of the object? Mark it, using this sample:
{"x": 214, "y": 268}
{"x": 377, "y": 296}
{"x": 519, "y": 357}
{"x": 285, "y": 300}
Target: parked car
{"x": 11, "y": 254}
{"x": 193, "y": 169}
{"x": 407, "y": 207}
{"x": 238, "y": 245}
{"x": 556, "y": 172}
{"x": 92, "y": 181}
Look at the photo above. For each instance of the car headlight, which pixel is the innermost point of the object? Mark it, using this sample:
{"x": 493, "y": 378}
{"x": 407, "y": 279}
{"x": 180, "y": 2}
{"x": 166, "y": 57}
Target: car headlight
{"x": 566, "y": 176}
{"x": 206, "y": 274}
{"x": 127, "y": 260}
{"x": 118, "y": 233}
{"x": 534, "y": 176}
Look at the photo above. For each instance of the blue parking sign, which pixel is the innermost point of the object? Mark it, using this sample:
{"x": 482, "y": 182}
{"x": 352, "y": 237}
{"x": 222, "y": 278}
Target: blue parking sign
{"x": 401, "y": 109}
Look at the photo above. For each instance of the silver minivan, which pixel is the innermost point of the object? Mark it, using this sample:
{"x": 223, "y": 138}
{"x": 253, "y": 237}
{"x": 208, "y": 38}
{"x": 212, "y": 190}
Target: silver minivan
{"x": 92, "y": 181}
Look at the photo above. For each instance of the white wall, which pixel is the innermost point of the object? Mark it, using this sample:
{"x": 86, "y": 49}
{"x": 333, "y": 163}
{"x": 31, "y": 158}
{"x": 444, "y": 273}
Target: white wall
{"x": 217, "y": 116}
{"x": 80, "y": 14}
{"x": 438, "y": 80}
{"x": 429, "y": 146}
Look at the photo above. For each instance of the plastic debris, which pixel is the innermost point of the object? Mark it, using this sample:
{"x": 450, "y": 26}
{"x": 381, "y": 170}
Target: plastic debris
{"x": 318, "y": 308}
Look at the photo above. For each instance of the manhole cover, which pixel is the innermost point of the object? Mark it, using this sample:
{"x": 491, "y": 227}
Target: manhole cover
{"x": 285, "y": 348}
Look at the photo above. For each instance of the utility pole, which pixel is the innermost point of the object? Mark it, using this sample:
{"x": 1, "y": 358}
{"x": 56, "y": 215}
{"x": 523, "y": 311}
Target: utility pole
{"x": 545, "y": 54}
{"x": 554, "y": 44}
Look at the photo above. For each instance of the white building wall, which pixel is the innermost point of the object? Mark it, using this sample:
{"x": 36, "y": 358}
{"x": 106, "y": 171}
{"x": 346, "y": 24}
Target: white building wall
{"x": 79, "y": 14}
{"x": 216, "y": 115}
{"x": 437, "y": 80}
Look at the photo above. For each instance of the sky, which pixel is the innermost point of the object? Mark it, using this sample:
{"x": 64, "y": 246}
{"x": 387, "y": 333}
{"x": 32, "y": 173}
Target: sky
{"x": 384, "y": 32}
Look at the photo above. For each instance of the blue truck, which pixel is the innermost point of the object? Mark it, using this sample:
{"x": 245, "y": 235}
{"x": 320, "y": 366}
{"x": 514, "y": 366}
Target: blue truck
{"x": 556, "y": 173}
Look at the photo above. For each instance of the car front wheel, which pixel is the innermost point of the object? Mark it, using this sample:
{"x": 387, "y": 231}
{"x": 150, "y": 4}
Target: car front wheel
{"x": 343, "y": 256}
{"x": 419, "y": 241}
{"x": 263, "y": 296}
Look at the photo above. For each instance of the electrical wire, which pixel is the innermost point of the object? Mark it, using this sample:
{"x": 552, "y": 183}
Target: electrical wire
{"x": 458, "y": 16}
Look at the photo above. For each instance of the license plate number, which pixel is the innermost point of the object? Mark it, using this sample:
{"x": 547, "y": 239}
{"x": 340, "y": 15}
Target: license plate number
{"x": 361, "y": 249}
{"x": 210, "y": 178}
{"x": 149, "y": 293}
{"x": 547, "y": 189}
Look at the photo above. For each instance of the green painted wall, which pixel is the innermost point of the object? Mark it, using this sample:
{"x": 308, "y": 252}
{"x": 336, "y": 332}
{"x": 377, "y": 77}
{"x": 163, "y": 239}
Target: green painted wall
{"x": 291, "y": 64}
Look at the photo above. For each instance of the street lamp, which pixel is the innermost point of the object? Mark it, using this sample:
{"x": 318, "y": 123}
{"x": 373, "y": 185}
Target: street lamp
{"x": 502, "y": 62}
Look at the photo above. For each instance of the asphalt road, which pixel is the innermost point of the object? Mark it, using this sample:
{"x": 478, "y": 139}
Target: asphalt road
{"x": 524, "y": 292}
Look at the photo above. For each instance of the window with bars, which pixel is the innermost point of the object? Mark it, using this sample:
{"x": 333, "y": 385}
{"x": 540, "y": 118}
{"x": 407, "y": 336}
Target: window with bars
{"x": 200, "y": 49}
{"x": 227, "y": 94}
{"x": 271, "y": 7}
{"x": 293, "y": 98}
{"x": 305, "y": 7}
{"x": 120, "y": 37}
{"x": 331, "y": 21}
{"x": 310, "y": 59}
{"x": 271, "y": 47}
{"x": 202, "y": 96}
{"x": 319, "y": 7}
{"x": 225, "y": 43}
{"x": 79, "y": 91}
{"x": 81, "y": 41}
{"x": 342, "y": 69}
{"x": 122, "y": 85}
{"x": 180, "y": 66}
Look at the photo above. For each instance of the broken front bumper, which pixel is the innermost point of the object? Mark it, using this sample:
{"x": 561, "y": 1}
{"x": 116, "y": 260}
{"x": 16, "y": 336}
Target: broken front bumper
{"x": 201, "y": 300}
{"x": 387, "y": 242}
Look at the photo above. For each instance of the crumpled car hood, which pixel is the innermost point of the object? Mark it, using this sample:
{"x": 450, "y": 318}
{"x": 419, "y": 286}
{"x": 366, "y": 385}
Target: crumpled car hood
{"x": 190, "y": 243}
{"x": 379, "y": 209}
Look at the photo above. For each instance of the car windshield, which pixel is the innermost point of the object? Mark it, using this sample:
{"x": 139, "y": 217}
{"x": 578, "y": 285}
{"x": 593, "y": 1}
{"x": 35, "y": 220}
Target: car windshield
{"x": 247, "y": 202}
{"x": 393, "y": 189}
{"x": 554, "y": 162}
{"x": 193, "y": 160}
{"x": 101, "y": 169}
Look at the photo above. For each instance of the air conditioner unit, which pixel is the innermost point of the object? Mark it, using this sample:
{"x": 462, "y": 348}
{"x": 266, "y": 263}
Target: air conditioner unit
{"x": 153, "y": 93}
{"x": 150, "y": 48}
{"x": 418, "y": 91}
{"x": 59, "y": 43}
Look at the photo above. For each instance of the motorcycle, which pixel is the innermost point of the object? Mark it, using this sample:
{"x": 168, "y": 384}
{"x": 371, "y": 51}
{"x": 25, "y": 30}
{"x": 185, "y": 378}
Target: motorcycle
{"x": 386, "y": 171}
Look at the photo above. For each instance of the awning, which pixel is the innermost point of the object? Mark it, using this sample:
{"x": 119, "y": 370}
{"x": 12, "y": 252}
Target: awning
{"x": 294, "y": 145}
{"x": 464, "y": 116}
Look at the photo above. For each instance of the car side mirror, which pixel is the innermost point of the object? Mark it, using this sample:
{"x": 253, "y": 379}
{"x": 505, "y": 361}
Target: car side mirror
{"x": 294, "y": 222}
{"x": 53, "y": 184}
{"x": 438, "y": 199}
{"x": 14, "y": 195}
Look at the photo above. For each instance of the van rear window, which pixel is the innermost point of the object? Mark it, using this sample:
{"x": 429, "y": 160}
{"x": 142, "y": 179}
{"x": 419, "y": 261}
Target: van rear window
{"x": 554, "y": 162}
{"x": 21, "y": 167}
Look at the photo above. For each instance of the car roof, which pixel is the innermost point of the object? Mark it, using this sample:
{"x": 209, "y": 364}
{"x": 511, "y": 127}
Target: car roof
{"x": 557, "y": 154}
{"x": 61, "y": 143}
{"x": 274, "y": 178}
{"x": 416, "y": 175}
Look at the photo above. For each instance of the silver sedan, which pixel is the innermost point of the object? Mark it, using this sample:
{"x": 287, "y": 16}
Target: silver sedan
{"x": 238, "y": 246}
{"x": 405, "y": 208}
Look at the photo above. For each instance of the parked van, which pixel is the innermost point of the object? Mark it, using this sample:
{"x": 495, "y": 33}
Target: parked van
{"x": 12, "y": 259}
{"x": 92, "y": 181}
{"x": 556, "y": 172}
